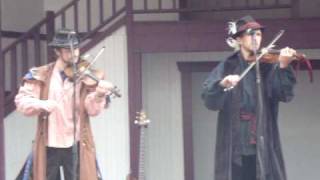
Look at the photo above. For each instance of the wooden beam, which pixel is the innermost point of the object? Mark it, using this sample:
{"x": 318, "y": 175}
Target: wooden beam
{"x": 15, "y": 35}
{"x": 211, "y": 35}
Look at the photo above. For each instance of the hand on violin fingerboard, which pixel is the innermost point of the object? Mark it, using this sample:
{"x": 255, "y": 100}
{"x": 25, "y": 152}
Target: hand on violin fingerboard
{"x": 286, "y": 56}
{"x": 104, "y": 88}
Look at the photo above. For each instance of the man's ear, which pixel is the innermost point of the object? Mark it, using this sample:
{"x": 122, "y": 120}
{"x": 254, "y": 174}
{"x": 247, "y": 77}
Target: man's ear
{"x": 238, "y": 39}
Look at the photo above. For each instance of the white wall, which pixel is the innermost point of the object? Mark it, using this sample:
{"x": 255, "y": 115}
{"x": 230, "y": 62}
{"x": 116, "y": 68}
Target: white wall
{"x": 21, "y": 15}
{"x": 162, "y": 102}
{"x": 203, "y": 131}
{"x": 19, "y": 134}
{"x": 299, "y": 129}
{"x": 17, "y": 15}
{"x": 110, "y": 128}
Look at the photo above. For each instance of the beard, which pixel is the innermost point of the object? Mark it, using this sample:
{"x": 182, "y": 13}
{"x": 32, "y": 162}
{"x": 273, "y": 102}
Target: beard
{"x": 70, "y": 61}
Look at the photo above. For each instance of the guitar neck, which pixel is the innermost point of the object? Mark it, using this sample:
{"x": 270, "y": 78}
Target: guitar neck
{"x": 142, "y": 154}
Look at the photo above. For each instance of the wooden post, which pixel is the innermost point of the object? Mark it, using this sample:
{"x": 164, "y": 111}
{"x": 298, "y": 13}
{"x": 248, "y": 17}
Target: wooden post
{"x": 186, "y": 85}
{"x": 135, "y": 99}
{"x": 2, "y": 145}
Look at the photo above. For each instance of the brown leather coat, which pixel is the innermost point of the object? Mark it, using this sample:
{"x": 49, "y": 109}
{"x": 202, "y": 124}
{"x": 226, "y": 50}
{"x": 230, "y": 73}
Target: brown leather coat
{"x": 88, "y": 169}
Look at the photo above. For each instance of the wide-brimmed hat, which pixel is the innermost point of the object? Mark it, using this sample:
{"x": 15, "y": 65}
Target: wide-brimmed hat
{"x": 63, "y": 39}
{"x": 241, "y": 25}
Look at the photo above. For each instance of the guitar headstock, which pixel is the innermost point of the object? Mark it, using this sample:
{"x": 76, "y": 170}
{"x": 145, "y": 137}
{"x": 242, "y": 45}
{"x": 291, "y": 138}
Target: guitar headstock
{"x": 141, "y": 119}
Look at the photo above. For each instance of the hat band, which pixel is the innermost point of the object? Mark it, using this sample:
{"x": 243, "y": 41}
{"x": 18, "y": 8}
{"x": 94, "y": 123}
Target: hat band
{"x": 248, "y": 25}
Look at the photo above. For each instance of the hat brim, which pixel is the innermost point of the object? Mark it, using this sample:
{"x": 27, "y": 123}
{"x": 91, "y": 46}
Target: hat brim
{"x": 66, "y": 46}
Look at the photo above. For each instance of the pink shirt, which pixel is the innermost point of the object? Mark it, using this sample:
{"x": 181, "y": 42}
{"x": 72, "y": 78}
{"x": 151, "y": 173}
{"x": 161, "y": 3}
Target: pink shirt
{"x": 60, "y": 124}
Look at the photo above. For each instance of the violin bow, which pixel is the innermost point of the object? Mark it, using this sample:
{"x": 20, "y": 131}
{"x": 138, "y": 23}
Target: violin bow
{"x": 91, "y": 62}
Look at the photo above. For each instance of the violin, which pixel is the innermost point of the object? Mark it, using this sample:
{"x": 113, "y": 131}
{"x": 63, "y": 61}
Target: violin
{"x": 272, "y": 56}
{"x": 86, "y": 74}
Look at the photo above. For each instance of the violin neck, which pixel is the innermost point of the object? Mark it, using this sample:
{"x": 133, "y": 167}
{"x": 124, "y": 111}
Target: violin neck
{"x": 92, "y": 76}
{"x": 274, "y": 51}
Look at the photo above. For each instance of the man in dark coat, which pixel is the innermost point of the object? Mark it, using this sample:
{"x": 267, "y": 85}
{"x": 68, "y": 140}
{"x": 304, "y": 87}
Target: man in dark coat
{"x": 248, "y": 147}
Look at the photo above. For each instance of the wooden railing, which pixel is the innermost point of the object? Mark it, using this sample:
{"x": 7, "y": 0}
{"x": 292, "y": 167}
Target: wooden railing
{"x": 180, "y": 6}
{"x": 31, "y": 48}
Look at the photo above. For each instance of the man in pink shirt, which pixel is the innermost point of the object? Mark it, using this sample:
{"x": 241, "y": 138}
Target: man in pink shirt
{"x": 48, "y": 93}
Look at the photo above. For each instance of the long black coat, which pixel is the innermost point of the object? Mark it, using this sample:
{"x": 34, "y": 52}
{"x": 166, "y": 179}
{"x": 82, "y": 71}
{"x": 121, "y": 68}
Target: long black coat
{"x": 277, "y": 85}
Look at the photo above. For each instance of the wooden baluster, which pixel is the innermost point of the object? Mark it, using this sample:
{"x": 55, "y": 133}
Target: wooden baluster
{"x": 24, "y": 55}
{"x": 247, "y": 4}
{"x": 145, "y": 7}
{"x": 37, "y": 47}
{"x": 160, "y": 4}
{"x": 101, "y": 9}
{"x": 63, "y": 20}
{"x": 114, "y": 7}
{"x": 88, "y": 15}
{"x": 50, "y": 33}
{"x": 13, "y": 69}
{"x": 76, "y": 19}
{"x": 174, "y": 4}
{"x": 295, "y": 8}
{"x": 233, "y": 3}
